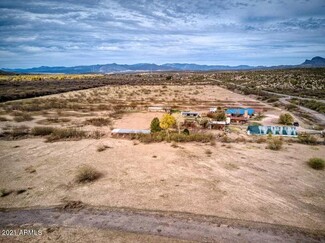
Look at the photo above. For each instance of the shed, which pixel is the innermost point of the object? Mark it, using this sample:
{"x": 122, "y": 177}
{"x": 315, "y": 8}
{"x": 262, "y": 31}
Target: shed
{"x": 159, "y": 108}
{"x": 129, "y": 131}
{"x": 190, "y": 114}
{"x": 274, "y": 130}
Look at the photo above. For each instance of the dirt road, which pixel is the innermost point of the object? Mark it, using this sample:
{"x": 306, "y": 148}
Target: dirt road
{"x": 316, "y": 115}
{"x": 284, "y": 100}
{"x": 174, "y": 225}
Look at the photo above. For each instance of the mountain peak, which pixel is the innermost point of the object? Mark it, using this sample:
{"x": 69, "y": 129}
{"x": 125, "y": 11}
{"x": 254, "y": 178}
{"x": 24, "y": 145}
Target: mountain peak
{"x": 315, "y": 62}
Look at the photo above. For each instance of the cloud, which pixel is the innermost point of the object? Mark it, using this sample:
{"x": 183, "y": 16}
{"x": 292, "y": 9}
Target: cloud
{"x": 53, "y": 32}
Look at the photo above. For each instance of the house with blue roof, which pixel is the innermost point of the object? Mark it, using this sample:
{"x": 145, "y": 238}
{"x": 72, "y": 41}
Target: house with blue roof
{"x": 240, "y": 111}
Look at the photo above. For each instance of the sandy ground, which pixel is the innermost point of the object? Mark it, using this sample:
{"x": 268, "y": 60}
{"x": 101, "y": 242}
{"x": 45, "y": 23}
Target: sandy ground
{"x": 238, "y": 180}
{"x": 138, "y": 120}
{"x": 82, "y": 234}
{"x": 243, "y": 181}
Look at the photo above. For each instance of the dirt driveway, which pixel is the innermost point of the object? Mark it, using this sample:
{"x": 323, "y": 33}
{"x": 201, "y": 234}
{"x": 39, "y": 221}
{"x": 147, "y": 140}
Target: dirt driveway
{"x": 182, "y": 226}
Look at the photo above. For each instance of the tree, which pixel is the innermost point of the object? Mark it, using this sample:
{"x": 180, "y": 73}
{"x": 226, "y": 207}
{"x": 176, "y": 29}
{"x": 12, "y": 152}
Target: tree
{"x": 286, "y": 119}
{"x": 154, "y": 126}
{"x": 167, "y": 121}
{"x": 220, "y": 116}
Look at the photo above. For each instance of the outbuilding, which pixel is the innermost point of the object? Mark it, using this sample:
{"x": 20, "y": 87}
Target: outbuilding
{"x": 274, "y": 130}
{"x": 121, "y": 132}
{"x": 190, "y": 114}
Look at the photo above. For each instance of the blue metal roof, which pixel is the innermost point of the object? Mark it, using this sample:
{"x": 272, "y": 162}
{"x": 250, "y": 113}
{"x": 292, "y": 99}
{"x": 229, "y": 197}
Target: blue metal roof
{"x": 240, "y": 111}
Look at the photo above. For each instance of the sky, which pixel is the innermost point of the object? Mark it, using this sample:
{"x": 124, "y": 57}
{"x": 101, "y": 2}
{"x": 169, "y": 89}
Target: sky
{"x": 222, "y": 32}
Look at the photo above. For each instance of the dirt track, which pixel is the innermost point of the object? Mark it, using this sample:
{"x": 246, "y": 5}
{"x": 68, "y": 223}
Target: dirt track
{"x": 168, "y": 224}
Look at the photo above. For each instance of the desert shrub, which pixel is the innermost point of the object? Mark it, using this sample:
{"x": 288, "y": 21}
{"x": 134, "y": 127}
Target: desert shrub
{"x": 117, "y": 114}
{"x": 291, "y": 107}
{"x": 54, "y": 120}
{"x": 97, "y": 134}
{"x": 225, "y": 139}
{"x": 86, "y": 173}
{"x": 154, "y": 126}
{"x": 261, "y": 140}
{"x": 306, "y": 138}
{"x": 103, "y": 107}
{"x": 316, "y": 163}
{"x": 219, "y": 115}
{"x": 259, "y": 117}
{"x": 20, "y": 131}
{"x": 176, "y": 137}
{"x": 98, "y": 122}
{"x": 174, "y": 145}
{"x": 102, "y": 148}
{"x": 66, "y": 134}
{"x": 272, "y": 99}
{"x": 274, "y": 143}
{"x": 42, "y": 131}
{"x": 194, "y": 137}
{"x": 23, "y": 116}
{"x": 311, "y": 104}
{"x": 2, "y": 118}
{"x": 286, "y": 119}
{"x": 208, "y": 152}
{"x": 5, "y": 192}
{"x": 255, "y": 124}
{"x": 240, "y": 140}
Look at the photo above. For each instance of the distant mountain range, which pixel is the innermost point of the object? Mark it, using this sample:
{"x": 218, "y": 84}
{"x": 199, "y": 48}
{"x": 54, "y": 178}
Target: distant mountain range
{"x": 149, "y": 67}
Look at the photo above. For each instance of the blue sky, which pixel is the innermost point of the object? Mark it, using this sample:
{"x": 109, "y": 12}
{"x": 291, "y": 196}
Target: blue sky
{"x": 226, "y": 32}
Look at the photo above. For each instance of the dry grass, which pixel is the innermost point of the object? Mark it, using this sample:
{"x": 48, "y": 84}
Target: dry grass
{"x": 42, "y": 131}
{"x": 52, "y": 120}
{"x": 307, "y": 139}
{"x": 275, "y": 143}
{"x": 102, "y": 147}
{"x": 86, "y": 174}
{"x": 3, "y": 119}
{"x": 16, "y": 132}
{"x": 208, "y": 152}
{"x": 174, "y": 145}
{"x": 98, "y": 122}
{"x": 66, "y": 134}
{"x": 97, "y": 134}
{"x": 22, "y": 116}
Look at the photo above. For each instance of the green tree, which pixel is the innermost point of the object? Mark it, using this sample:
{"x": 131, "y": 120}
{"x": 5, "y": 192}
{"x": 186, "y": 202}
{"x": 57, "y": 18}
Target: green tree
{"x": 220, "y": 116}
{"x": 286, "y": 119}
{"x": 154, "y": 126}
{"x": 166, "y": 122}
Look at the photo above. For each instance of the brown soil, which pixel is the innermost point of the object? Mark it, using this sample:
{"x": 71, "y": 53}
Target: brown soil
{"x": 144, "y": 225}
{"x": 243, "y": 181}
{"x": 238, "y": 180}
